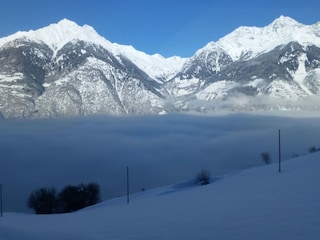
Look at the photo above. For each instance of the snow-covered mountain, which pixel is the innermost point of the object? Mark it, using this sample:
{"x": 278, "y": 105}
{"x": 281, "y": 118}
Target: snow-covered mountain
{"x": 249, "y": 42}
{"x": 273, "y": 67}
{"x": 65, "y": 69}
{"x": 56, "y": 36}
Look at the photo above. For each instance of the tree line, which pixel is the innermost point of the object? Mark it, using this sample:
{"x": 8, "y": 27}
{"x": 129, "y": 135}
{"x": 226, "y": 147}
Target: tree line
{"x": 69, "y": 199}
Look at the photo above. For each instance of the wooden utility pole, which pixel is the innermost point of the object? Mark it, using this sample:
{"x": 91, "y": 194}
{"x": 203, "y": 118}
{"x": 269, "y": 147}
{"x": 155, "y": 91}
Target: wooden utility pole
{"x": 128, "y": 192}
{"x": 279, "y": 151}
{"x": 1, "y": 211}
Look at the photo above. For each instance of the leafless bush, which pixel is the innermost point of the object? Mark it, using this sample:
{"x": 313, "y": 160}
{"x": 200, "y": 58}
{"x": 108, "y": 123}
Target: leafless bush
{"x": 266, "y": 157}
{"x": 203, "y": 177}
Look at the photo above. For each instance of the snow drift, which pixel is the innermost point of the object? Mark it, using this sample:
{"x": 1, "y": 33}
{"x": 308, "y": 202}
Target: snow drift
{"x": 258, "y": 203}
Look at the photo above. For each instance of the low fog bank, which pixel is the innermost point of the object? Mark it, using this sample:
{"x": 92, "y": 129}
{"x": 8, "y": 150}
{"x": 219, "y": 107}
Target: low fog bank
{"x": 264, "y": 104}
{"x": 159, "y": 150}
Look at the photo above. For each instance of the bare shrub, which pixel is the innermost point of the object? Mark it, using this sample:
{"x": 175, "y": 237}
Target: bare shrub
{"x": 203, "y": 177}
{"x": 266, "y": 157}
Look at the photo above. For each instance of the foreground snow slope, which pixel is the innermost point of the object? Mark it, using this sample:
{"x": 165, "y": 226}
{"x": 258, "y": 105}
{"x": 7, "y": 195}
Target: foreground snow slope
{"x": 258, "y": 203}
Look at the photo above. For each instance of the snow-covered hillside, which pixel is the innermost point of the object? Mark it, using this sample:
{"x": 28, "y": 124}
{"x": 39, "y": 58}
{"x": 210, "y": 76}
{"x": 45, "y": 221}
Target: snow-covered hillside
{"x": 258, "y": 203}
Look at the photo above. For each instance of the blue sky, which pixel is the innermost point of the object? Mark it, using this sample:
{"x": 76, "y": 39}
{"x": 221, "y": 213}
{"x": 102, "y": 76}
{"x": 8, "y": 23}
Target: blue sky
{"x": 168, "y": 27}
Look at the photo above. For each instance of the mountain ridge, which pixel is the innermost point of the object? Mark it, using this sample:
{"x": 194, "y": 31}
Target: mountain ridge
{"x": 261, "y": 39}
{"x": 56, "y": 35}
{"x": 39, "y": 72}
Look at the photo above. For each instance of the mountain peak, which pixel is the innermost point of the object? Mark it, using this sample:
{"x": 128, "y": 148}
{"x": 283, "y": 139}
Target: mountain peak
{"x": 256, "y": 40}
{"x": 71, "y": 27}
{"x": 58, "y": 34}
{"x": 66, "y": 23}
{"x": 284, "y": 21}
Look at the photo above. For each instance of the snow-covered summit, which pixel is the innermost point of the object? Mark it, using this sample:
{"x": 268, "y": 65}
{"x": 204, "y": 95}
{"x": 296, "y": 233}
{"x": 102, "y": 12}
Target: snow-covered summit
{"x": 284, "y": 21}
{"x": 252, "y": 41}
{"x": 58, "y": 34}
{"x": 280, "y": 60}
{"x": 244, "y": 42}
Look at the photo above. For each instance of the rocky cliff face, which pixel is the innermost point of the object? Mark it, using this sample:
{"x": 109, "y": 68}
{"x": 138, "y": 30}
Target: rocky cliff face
{"x": 80, "y": 79}
{"x": 68, "y": 70}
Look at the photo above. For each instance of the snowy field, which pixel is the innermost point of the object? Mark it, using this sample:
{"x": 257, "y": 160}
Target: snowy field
{"x": 246, "y": 199}
{"x": 257, "y": 203}
{"x": 159, "y": 150}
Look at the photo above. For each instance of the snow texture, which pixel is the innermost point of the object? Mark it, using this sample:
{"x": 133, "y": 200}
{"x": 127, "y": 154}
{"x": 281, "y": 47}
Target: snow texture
{"x": 278, "y": 62}
{"x": 258, "y": 203}
{"x": 58, "y": 34}
{"x": 255, "y": 40}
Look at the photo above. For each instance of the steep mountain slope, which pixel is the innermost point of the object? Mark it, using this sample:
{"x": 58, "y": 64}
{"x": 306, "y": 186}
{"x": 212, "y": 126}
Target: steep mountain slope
{"x": 59, "y": 71}
{"x": 249, "y": 42}
{"x": 57, "y": 35}
{"x": 66, "y": 70}
{"x": 252, "y": 68}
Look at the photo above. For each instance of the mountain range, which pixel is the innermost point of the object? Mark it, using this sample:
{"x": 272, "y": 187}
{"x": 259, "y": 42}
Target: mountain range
{"x": 69, "y": 70}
